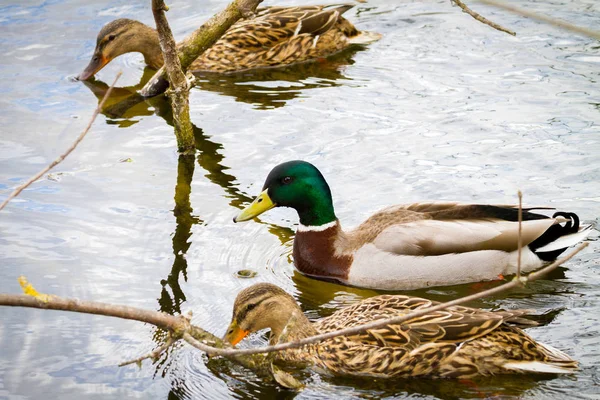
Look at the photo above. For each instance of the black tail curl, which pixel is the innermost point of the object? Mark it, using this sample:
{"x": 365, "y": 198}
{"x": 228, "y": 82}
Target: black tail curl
{"x": 573, "y": 225}
{"x": 553, "y": 233}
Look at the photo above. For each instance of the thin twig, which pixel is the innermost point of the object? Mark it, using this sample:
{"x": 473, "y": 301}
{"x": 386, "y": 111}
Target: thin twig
{"x": 396, "y": 320}
{"x": 520, "y": 235}
{"x": 57, "y": 161}
{"x": 154, "y": 354}
{"x": 481, "y": 19}
{"x": 552, "y": 21}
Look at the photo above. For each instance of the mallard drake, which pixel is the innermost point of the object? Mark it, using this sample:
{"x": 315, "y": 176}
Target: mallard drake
{"x": 276, "y": 36}
{"x": 458, "y": 342}
{"x": 410, "y": 246}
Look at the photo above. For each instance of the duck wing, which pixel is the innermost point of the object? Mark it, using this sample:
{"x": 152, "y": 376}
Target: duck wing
{"x": 427, "y": 229}
{"x": 453, "y": 325}
{"x": 274, "y": 25}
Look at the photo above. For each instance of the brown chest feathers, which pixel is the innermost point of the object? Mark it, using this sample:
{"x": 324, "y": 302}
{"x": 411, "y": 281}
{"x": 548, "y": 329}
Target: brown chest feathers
{"x": 315, "y": 254}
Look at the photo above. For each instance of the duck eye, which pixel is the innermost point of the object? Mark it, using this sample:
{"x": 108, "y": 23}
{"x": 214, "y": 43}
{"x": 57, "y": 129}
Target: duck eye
{"x": 250, "y": 307}
{"x": 286, "y": 180}
{"x": 111, "y": 38}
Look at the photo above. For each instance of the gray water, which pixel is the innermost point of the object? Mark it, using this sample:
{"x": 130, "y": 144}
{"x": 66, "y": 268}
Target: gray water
{"x": 442, "y": 108}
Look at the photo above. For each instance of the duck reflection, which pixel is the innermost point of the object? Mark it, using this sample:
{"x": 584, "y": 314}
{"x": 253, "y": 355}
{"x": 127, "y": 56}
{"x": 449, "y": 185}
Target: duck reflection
{"x": 171, "y": 303}
{"x": 273, "y": 87}
{"x": 125, "y": 105}
{"x": 265, "y": 88}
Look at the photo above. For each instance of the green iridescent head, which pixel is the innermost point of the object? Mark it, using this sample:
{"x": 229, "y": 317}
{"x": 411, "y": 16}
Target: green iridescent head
{"x": 295, "y": 184}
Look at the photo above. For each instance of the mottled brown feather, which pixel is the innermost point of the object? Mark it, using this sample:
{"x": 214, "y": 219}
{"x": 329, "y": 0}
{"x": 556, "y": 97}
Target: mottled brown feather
{"x": 458, "y": 342}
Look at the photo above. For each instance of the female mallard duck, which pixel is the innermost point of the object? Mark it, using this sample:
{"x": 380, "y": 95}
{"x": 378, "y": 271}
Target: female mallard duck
{"x": 276, "y": 36}
{"x": 458, "y": 342}
{"x": 410, "y": 246}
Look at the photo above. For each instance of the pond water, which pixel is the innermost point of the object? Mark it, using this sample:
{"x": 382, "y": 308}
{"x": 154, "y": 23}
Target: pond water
{"x": 441, "y": 108}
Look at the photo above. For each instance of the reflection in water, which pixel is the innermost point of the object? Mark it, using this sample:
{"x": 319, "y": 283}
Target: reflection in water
{"x": 284, "y": 83}
{"x": 183, "y": 215}
{"x": 124, "y": 104}
{"x": 265, "y": 88}
{"x": 480, "y": 388}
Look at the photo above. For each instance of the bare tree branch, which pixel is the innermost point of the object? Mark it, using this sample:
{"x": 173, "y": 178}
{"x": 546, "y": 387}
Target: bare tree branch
{"x": 60, "y": 158}
{"x": 154, "y": 354}
{"x": 520, "y": 235}
{"x": 179, "y": 92}
{"x": 481, "y": 19}
{"x": 552, "y": 21}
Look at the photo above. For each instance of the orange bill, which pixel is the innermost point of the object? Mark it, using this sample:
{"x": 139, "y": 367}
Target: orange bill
{"x": 97, "y": 62}
{"x": 234, "y": 334}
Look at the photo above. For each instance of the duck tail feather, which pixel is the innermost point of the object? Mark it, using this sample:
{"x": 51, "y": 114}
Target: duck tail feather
{"x": 542, "y": 367}
{"x": 566, "y": 241}
{"x": 364, "y": 37}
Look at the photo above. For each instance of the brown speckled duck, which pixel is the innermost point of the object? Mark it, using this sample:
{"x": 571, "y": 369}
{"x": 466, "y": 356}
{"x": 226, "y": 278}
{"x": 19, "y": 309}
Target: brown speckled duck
{"x": 275, "y": 37}
{"x": 458, "y": 342}
{"x": 410, "y": 246}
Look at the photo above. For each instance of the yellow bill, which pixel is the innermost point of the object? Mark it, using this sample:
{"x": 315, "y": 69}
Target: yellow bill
{"x": 261, "y": 204}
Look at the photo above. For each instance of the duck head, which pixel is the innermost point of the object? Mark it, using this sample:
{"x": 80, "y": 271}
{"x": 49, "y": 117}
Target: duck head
{"x": 123, "y": 36}
{"x": 262, "y": 306}
{"x": 296, "y": 184}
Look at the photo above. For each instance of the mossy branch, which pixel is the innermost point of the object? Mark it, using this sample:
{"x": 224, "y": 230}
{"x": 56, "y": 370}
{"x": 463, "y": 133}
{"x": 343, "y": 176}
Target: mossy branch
{"x": 179, "y": 93}
{"x": 200, "y": 40}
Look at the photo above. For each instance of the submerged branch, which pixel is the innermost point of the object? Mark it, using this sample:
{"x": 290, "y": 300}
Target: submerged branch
{"x": 153, "y": 355}
{"x": 60, "y": 158}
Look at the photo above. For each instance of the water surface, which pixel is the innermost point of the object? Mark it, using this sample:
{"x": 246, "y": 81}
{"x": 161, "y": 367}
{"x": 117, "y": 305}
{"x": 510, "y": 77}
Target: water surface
{"x": 442, "y": 108}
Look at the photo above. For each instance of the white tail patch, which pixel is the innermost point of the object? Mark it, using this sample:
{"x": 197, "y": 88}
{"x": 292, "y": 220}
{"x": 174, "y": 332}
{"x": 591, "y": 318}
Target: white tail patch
{"x": 566, "y": 241}
{"x": 538, "y": 366}
{"x": 364, "y": 37}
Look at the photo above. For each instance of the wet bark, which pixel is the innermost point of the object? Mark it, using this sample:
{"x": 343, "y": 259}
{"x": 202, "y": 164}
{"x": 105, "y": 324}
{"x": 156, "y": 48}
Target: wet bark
{"x": 179, "y": 93}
